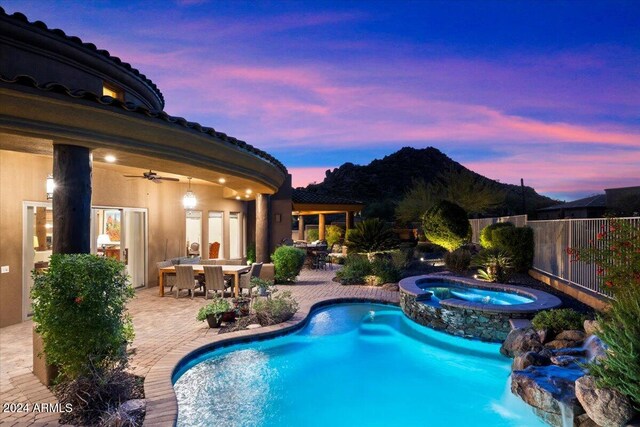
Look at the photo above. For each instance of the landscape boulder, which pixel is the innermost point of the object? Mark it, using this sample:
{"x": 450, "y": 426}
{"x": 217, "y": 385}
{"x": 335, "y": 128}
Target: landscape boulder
{"x": 530, "y": 358}
{"x": 591, "y": 327}
{"x": 605, "y": 406}
{"x": 561, "y": 344}
{"x": 520, "y": 341}
{"x": 571, "y": 335}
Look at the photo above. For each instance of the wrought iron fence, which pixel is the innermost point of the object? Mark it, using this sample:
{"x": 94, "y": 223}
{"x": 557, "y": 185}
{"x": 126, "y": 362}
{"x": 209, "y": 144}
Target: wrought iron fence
{"x": 553, "y": 237}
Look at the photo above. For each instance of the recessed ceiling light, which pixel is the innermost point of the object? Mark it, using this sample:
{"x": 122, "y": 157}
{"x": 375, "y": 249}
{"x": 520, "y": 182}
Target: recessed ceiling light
{"x": 246, "y": 195}
{"x": 238, "y": 197}
{"x": 222, "y": 180}
{"x": 109, "y": 158}
{"x": 248, "y": 191}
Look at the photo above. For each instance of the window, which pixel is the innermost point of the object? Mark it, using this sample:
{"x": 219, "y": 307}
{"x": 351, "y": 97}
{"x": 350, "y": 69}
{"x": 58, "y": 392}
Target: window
{"x": 216, "y": 235}
{"x": 235, "y": 235}
{"x": 113, "y": 91}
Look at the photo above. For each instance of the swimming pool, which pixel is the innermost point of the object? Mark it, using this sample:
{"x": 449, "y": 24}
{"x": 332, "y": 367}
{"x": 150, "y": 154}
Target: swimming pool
{"x": 351, "y": 365}
{"x": 443, "y": 290}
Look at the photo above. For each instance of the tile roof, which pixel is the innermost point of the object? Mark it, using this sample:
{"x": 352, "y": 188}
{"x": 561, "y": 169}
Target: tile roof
{"x": 597, "y": 201}
{"x": 303, "y": 196}
{"x": 90, "y": 46}
{"x": 130, "y": 107}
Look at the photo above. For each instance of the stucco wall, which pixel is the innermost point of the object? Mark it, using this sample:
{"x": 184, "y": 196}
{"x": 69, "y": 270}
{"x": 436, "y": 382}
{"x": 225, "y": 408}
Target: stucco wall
{"x": 22, "y": 178}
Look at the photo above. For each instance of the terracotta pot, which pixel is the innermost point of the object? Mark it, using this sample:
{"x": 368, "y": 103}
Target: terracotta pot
{"x": 214, "y": 320}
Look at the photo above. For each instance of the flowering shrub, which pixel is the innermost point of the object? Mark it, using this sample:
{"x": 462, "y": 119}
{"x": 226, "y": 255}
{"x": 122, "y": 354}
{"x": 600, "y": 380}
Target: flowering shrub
{"x": 615, "y": 251}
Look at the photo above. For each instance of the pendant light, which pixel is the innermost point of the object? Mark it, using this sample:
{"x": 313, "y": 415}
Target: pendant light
{"x": 189, "y": 200}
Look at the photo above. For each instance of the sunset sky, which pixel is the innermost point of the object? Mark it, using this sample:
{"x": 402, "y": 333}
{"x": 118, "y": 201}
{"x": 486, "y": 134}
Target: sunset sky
{"x": 547, "y": 91}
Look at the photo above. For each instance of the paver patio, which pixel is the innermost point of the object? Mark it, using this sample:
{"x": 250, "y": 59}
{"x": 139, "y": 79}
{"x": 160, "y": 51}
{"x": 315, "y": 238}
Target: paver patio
{"x": 164, "y": 327}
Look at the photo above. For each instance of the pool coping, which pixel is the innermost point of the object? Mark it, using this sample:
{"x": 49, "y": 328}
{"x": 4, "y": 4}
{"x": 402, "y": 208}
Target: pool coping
{"x": 162, "y": 405}
{"x": 543, "y": 300}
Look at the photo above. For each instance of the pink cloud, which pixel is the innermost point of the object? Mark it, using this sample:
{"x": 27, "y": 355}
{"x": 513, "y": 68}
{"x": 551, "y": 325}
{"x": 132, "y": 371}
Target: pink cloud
{"x": 303, "y": 176}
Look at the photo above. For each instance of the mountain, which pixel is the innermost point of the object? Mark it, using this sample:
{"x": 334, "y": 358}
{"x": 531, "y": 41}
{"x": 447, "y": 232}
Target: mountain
{"x": 383, "y": 182}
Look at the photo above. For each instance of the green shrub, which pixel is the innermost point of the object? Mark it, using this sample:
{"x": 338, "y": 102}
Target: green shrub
{"x": 287, "y": 263}
{"x": 79, "y": 310}
{"x": 372, "y": 235}
{"x": 620, "y": 331}
{"x": 251, "y": 252}
{"x": 401, "y": 257}
{"x": 556, "y": 321}
{"x": 333, "y": 234}
{"x": 518, "y": 243}
{"x": 355, "y": 268}
{"x": 458, "y": 261}
{"x": 217, "y": 308}
{"x": 313, "y": 234}
{"x": 277, "y": 309}
{"x": 486, "y": 235}
{"x": 497, "y": 264}
{"x": 385, "y": 270}
{"x": 446, "y": 224}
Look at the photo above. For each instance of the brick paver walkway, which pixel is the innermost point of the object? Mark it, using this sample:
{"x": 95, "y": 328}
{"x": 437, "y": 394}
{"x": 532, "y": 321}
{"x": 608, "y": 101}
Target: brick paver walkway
{"x": 165, "y": 331}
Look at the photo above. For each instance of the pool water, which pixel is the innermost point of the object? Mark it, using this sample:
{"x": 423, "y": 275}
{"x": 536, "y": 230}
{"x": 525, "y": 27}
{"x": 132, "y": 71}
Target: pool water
{"x": 352, "y": 365}
{"x": 445, "y": 291}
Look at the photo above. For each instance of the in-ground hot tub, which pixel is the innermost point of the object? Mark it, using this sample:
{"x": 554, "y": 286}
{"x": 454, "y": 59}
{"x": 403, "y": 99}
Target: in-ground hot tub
{"x": 470, "y": 308}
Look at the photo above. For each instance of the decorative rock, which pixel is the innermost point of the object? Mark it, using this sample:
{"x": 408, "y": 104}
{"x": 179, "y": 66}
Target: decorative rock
{"x": 558, "y": 344}
{"x": 591, "y": 327}
{"x": 529, "y": 358}
{"x": 584, "y": 421}
{"x": 564, "y": 360}
{"x": 253, "y": 326}
{"x": 543, "y": 387}
{"x": 544, "y": 335}
{"x": 571, "y": 351}
{"x": 520, "y": 341}
{"x": 607, "y": 407}
{"x": 571, "y": 335}
{"x": 134, "y": 407}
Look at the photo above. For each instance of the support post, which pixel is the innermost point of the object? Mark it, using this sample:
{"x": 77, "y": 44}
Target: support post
{"x": 348, "y": 221}
{"x": 301, "y": 227}
{"x": 262, "y": 227}
{"x": 71, "y": 199}
{"x": 321, "y": 226}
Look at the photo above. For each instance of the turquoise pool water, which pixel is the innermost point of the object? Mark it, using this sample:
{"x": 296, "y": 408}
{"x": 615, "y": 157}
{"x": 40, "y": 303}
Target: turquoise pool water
{"x": 445, "y": 290}
{"x": 349, "y": 368}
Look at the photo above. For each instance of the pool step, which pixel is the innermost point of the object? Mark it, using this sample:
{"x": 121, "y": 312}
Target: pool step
{"x": 372, "y": 329}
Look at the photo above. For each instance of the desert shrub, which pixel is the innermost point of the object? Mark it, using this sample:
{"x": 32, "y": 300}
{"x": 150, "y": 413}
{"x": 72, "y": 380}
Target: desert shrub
{"x": 401, "y": 257}
{"x": 620, "y": 331}
{"x": 79, "y": 310}
{"x": 518, "y": 243}
{"x": 497, "y": 265}
{"x": 486, "y": 235}
{"x": 373, "y": 280}
{"x": 355, "y": 268}
{"x": 556, "y": 321}
{"x": 372, "y": 235}
{"x": 277, "y": 309}
{"x": 287, "y": 263}
{"x": 458, "y": 261}
{"x": 446, "y": 224}
{"x": 385, "y": 269}
{"x": 313, "y": 234}
{"x": 333, "y": 234}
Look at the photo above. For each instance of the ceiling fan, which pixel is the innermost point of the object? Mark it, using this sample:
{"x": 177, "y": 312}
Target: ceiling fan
{"x": 152, "y": 176}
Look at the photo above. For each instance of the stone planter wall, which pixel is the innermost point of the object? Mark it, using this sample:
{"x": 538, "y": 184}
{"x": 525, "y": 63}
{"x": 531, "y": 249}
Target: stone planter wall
{"x": 462, "y": 322}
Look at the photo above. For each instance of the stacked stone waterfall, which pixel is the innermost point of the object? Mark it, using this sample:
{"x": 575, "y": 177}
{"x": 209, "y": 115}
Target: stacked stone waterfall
{"x": 548, "y": 374}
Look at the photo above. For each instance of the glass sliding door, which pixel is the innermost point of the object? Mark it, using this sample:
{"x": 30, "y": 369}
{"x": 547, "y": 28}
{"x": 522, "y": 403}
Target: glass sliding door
{"x": 135, "y": 248}
{"x": 216, "y": 235}
{"x": 193, "y": 233}
{"x": 36, "y": 248}
{"x": 235, "y": 235}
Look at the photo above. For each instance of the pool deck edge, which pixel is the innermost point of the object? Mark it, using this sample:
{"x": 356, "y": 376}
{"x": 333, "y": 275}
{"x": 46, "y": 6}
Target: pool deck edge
{"x": 162, "y": 405}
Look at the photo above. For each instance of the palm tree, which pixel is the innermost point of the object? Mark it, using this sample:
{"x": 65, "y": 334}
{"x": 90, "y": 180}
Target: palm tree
{"x": 371, "y": 236}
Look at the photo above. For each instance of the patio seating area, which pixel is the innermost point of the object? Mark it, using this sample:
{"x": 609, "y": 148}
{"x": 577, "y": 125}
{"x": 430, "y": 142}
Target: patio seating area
{"x": 161, "y": 325}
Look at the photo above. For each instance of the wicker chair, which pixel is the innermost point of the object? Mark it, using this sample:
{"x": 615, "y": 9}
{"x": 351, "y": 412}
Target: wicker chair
{"x": 185, "y": 280}
{"x": 214, "y": 280}
{"x": 169, "y": 279}
{"x": 245, "y": 279}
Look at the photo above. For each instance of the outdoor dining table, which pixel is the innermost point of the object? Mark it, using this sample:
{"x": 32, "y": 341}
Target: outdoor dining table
{"x": 227, "y": 270}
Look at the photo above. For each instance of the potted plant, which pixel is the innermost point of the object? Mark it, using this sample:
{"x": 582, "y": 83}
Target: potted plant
{"x": 264, "y": 286}
{"x": 242, "y": 305}
{"x": 213, "y": 312}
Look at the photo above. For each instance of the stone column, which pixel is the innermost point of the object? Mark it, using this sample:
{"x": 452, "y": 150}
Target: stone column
{"x": 348, "y": 221}
{"x": 321, "y": 226}
{"x": 300, "y": 227}
{"x": 262, "y": 227}
{"x": 71, "y": 199}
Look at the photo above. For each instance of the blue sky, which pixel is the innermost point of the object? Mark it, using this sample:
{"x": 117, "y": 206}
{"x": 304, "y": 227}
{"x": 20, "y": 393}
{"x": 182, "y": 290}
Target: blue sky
{"x": 547, "y": 91}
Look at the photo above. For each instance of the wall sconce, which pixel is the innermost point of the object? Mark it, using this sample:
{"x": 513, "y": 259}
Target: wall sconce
{"x": 51, "y": 185}
{"x": 189, "y": 200}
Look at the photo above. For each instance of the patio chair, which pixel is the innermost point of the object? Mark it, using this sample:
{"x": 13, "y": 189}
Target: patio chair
{"x": 208, "y": 262}
{"x": 214, "y": 280}
{"x": 186, "y": 280}
{"x": 245, "y": 279}
{"x": 214, "y": 250}
{"x": 236, "y": 261}
{"x": 169, "y": 279}
{"x": 320, "y": 260}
